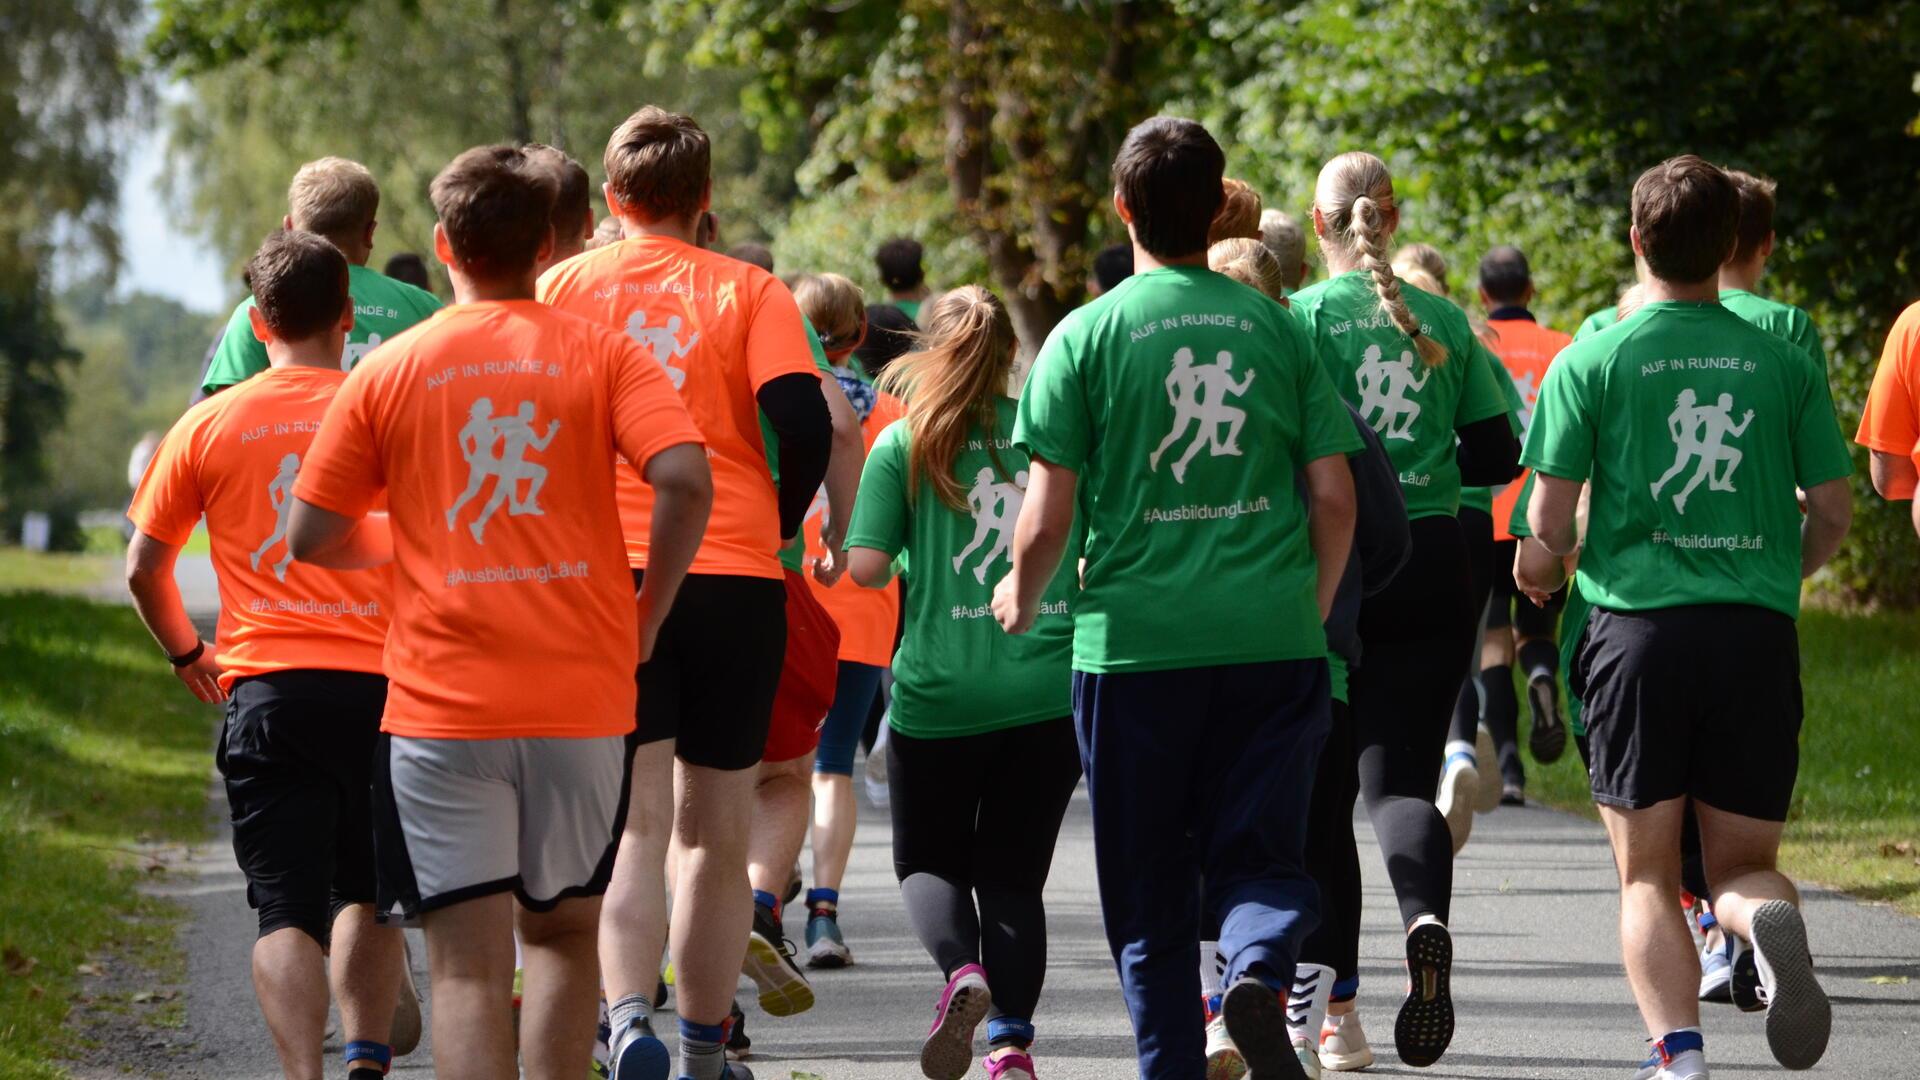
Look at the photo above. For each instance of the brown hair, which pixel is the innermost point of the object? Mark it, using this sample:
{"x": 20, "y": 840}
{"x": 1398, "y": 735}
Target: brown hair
{"x": 299, "y": 284}
{"x": 333, "y": 197}
{"x": 1756, "y": 213}
{"x": 1168, "y": 172}
{"x": 1288, "y": 242}
{"x": 607, "y": 232}
{"x": 572, "y": 200}
{"x": 1686, "y": 211}
{"x": 952, "y": 385}
{"x": 1355, "y": 198}
{"x": 1239, "y": 213}
{"x": 1427, "y": 259}
{"x": 1248, "y": 262}
{"x": 496, "y": 204}
{"x": 835, "y": 306}
{"x": 660, "y": 164}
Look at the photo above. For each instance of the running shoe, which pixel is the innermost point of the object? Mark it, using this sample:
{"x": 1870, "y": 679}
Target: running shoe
{"x": 602, "y": 1066}
{"x": 1513, "y": 796}
{"x": 876, "y": 770}
{"x": 1307, "y": 1014}
{"x": 1487, "y": 756}
{"x": 948, "y": 1052}
{"x": 1013, "y": 1065}
{"x": 638, "y": 1054}
{"x": 406, "y": 1012}
{"x": 1667, "y": 1063}
{"x": 1548, "y": 737}
{"x": 1716, "y": 974}
{"x": 825, "y": 947}
{"x": 1459, "y": 791}
{"x": 794, "y": 885}
{"x": 1799, "y": 1016}
{"x": 1424, "y": 1027}
{"x": 1223, "y": 1058}
{"x": 1343, "y": 1043}
{"x": 1743, "y": 989}
{"x": 738, "y": 1045}
{"x": 1257, "y": 1022}
{"x": 784, "y": 990}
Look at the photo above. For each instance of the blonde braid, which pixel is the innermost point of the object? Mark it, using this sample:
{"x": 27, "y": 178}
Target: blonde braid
{"x": 1366, "y": 231}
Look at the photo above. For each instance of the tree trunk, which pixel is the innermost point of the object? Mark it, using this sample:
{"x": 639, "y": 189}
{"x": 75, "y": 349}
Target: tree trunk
{"x": 519, "y": 94}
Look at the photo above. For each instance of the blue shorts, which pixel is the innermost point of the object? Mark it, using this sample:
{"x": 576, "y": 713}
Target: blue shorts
{"x": 852, "y": 700}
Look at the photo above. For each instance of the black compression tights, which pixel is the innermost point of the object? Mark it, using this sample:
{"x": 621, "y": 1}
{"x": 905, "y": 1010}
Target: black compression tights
{"x": 1415, "y": 639}
{"x": 1476, "y": 527}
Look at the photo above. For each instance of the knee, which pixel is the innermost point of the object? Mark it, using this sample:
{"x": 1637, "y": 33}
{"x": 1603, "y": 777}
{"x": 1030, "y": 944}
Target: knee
{"x": 571, "y": 920}
{"x": 312, "y": 917}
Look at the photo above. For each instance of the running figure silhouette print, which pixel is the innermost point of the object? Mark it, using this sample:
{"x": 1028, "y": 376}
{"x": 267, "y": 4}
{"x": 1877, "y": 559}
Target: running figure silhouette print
{"x": 995, "y": 507}
{"x": 516, "y": 437}
{"x": 280, "y": 497}
{"x": 664, "y": 342}
{"x": 1199, "y": 395}
{"x": 1384, "y": 385}
{"x": 1698, "y": 433}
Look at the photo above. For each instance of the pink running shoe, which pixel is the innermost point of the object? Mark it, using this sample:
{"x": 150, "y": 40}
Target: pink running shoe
{"x": 948, "y": 1052}
{"x": 1014, "y": 1066}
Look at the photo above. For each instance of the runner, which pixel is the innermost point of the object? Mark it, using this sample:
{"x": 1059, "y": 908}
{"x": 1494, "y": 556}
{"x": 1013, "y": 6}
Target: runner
{"x": 1753, "y": 246}
{"x": 898, "y": 261}
{"x": 1380, "y": 547}
{"x": 1517, "y": 630}
{"x": 1283, "y": 236}
{"x": 1242, "y": 657}
{"x": 981, "y": 754}
{"x": 1111, "y": 267}
{"x": 735, "y": 335}
{"x": 1239, "y": 214}
{"x": 572, "y": 207}
{"x": 1410, "y": 363}
{"x": 866, "y": 620}
{"x": 408, "y": 268}
{"x": 298, "y": 667}
{"x": 1700, "y": 621}
{"x": 1890, "y": 423}
{"x": 337, "y": 199}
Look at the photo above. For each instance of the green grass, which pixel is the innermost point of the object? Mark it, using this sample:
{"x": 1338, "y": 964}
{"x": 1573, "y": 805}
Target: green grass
{"x": 101, "y": 751}
{"x": 23, "y": 569}
{"x": 1855, "y": 822}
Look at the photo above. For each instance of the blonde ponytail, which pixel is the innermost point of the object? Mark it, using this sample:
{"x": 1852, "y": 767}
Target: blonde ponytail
{"x": 1355, "y": 196}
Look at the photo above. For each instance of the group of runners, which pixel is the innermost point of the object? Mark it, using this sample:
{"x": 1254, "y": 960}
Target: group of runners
{"x": 553, "y": 619}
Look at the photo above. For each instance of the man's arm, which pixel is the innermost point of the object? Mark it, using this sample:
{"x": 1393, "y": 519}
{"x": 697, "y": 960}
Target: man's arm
{"x": 1551, "y": 514}
{"x": 1829, "y": 514}
{"x": 1039, "y": 541}
{"x": 843, "y": 481}
{"x": 682, "y": 497}
{"x": 1330, "y": 516}
{"x": 1892, "y": 473}
{"x": 336, "y": 541}
{"x": 157, "y": 598}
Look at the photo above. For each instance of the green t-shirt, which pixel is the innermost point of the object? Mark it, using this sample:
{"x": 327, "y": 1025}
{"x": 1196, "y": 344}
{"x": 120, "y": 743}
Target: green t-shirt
{"x": 1780, "y": 320}
{"x": 911, "y": 307}
{"x": 1481, "y": 498}
{"x": 794, "y": 555}
{"x": 1192, "y": 559}
{"x": 956, "y": 673}
{"x": 1597, "y": 322}
{"x": 382, "y": 307}
{"x": 1415, "y": 408}
{"x": 1337, "y": 676}
{"x": 1695, "y": 427}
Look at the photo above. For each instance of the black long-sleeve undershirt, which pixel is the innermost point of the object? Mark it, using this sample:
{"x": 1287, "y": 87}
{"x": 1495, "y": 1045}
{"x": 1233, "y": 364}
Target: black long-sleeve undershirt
{"x": 1489, "y": 454}
{"x": 803, "y": 435}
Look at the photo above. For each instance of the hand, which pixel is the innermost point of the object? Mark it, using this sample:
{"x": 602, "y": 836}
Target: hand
{"x": 829, "y": 569}
{"x": 1007, "y": 609}
{"x": 202, "y": 677}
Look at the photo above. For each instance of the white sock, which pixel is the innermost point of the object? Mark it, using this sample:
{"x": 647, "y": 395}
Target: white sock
{"x": 1213, "y": 969}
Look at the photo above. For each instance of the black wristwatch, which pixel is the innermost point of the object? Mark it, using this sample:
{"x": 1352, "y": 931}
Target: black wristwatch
{"x": 199, "y": 649}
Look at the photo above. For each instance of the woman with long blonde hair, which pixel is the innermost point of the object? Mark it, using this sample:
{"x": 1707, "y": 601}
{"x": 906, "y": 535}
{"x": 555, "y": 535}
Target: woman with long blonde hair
{"x": 1408, "y": 361}
{"x": 981, "y": 758}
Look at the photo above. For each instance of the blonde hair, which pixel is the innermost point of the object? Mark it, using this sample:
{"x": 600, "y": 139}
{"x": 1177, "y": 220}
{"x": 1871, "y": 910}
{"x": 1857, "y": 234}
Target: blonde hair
{"x": 1249, "y": 262}
{"x": 608, "y": 232}
{"x": 1631, "y": 298}
{"x": 333, "y": 197}
{"x": 836, "y": 307}
{"x": 1431, "y": 265}
{"x": 1239, "y": 213}
{"x": 1355, "y": 198}
{"x": 953, "y": 383}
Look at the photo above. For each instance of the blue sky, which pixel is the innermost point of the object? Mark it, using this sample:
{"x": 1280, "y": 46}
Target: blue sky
{"x": 159, "y": 257}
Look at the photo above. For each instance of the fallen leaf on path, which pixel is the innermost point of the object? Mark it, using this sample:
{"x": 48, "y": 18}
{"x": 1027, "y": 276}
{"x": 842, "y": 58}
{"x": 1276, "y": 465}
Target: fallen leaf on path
{"x": 18, "y": 964}
{"x": 798, "y": 1075}
{"x": 90, "y": 969}
{"x": 147, "y": 996}
{"x": 1896, "y": 848}
{"x": 1887, "y": 980}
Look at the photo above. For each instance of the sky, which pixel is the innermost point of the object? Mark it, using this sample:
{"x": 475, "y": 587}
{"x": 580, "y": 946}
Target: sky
{"x": 158, "y": 257}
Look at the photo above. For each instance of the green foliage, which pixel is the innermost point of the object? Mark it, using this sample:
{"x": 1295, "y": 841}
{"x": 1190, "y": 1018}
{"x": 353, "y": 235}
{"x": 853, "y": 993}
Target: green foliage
{"x": 837, "y": 230}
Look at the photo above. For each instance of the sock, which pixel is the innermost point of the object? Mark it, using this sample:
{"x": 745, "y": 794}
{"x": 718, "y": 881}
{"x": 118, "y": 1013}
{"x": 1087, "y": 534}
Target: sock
{"x": 1213, "y": 969}
{"x": 1707, "y": 921}
{"x": 1674, "y": 1043}
{"x": 828, "y": 898}
{"x": 702, "y": 1051}
{"x": 367, "y": 1050}
{"x": 762, "y": 898}
{"x": 1539, "y": 657}
{"x": 1461, "y": 748}
{"x": 1009, "y": 1031}
{"x": 628, "y": 1011}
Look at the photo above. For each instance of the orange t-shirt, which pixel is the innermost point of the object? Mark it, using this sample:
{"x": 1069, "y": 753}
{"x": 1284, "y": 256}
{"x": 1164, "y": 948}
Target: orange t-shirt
{"x": 233, "y": 457}
{"x": 867, "y": 618}
{"x": 492, "y": 429}
{"x": 1890, "y": 423}
{"x": 1527, "y": 349}
{"x": 721, "y": 329}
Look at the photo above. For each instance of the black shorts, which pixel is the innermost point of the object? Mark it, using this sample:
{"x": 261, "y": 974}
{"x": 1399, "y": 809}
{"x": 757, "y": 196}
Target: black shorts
{"x": 715, "y": 669}
{"x": 1509, "y": 608}
{"x": 296, "y": 750}
{"x": 1702, "y": 701}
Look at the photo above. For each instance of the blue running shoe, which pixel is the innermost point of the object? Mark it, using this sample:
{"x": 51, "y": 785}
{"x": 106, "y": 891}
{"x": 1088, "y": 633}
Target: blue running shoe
{"x": 638, "y": 1054}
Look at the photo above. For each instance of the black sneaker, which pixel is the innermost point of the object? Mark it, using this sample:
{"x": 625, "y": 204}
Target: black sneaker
{"x": 1548, "y": 737}
{"x": 1743, "y": 987}
{"x": 739, "y": 1047}
{"x": 794, "y": 885}
{"x": 784, "y": 990}
{"x": 1424, "y": 1028}
{"x": 1799, "y": 1016}
{"x": 1257, "y": 1024}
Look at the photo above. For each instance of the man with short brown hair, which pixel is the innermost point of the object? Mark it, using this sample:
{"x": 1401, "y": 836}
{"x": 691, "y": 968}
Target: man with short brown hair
{"x": 572, "y": 203}
{"x": 1753, "y": 246}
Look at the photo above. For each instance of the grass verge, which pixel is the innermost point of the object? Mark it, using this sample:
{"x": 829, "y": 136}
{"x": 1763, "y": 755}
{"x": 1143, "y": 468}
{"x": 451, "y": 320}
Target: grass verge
{"x": 1855, "y": 822}
{"x": 101, "y": 752}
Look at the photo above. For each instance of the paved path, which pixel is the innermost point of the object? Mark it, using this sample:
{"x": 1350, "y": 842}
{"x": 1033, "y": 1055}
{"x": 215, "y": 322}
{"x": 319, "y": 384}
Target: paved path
{"x": 1537, "y": 978}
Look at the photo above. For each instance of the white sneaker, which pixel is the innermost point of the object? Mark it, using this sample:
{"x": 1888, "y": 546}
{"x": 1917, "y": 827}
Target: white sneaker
{"x": 1343, "y": 1044}
{"x": 1487, "y": 756}
{"x": 1691, "y": 1065}
{"x": 1307, "y": 1014}
{"x": 876, "y": 771}
{"x": 1223, "y": 1058}
{"x": 1459, "y": 790}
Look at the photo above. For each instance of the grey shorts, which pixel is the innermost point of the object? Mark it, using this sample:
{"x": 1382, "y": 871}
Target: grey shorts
{"x": 457, "y": 819}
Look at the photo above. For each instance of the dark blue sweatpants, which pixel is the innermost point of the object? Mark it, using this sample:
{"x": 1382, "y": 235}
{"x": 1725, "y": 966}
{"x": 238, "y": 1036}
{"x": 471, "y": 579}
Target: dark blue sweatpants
{"x": 1200, "y": 774}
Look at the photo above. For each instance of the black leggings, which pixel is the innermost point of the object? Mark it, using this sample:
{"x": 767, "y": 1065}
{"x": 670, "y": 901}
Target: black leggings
{"x": 1333, "y": 857}
{"x": 975, "y": 818}
{"x": 1415, "y": 637}
{"x": 1476, "y": 527}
